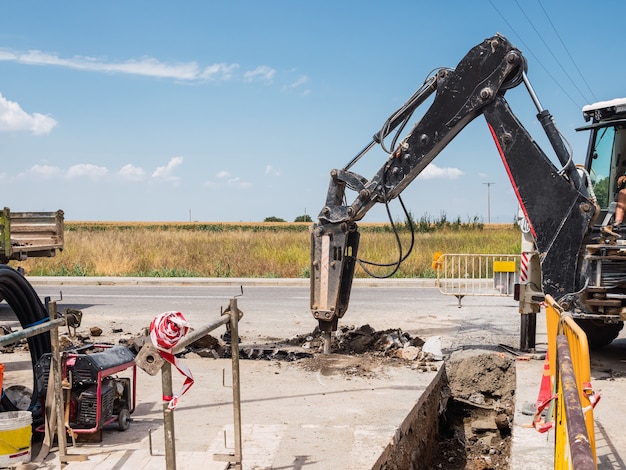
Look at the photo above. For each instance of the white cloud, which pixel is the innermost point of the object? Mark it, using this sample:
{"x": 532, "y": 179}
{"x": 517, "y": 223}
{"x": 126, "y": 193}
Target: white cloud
{"x": 238, "y": 183}
{"x": 146, "y": 66}
{"x": 227, "y": 180}
{"x": 432, "y": 171}
{"x": 219, "y": 72}
{"x": 298, "y": 85}
{"x": 165, "y": 173}
{"x": 42, "y": 172}
{"x": 130, "y": 172}
{"x": 301, "y": 81}
{"x": 89, "y": 171}
{"x": 14, "y": 118}
{"x": 86, "y": 170}
{"x": 270, "y": 170}
{"x": 263, "y": 73}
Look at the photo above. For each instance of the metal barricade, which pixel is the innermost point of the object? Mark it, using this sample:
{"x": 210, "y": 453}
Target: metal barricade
{"x": 476, "y": 274}
{"x": 568, "y": 354}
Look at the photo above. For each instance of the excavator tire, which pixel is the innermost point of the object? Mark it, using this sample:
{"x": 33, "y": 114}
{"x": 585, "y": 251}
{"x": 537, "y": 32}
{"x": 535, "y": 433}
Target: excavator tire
{"x": 599, "y": 334}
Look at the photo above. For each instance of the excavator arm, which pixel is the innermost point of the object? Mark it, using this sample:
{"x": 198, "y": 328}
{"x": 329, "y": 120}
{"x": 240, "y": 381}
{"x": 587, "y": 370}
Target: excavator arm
{"x": 555, "y": 201}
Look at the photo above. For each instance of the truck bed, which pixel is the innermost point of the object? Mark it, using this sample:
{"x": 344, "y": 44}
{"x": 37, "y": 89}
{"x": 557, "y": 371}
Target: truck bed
{"x": 30, "y": 234}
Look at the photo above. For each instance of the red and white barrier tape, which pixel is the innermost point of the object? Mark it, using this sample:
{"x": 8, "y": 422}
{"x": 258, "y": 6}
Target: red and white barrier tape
{"x": 166, "y": 330}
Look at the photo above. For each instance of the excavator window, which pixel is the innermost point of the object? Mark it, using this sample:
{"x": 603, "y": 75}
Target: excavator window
{"x": 603, "y": 170}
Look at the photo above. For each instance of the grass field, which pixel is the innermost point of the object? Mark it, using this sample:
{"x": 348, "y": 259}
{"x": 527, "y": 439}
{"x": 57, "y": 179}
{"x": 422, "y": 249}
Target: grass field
{"x": 250, "y": 249}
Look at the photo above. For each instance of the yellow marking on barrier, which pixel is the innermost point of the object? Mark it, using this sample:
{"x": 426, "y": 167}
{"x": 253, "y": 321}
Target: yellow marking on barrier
{"x": 504, "y": 266}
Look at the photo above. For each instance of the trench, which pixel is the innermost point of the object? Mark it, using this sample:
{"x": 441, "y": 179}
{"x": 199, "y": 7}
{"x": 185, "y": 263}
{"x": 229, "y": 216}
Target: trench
{"x": 462, "y": 421}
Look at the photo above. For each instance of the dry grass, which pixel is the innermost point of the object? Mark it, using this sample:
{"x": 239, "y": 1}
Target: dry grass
{"x": 243, "y": 250}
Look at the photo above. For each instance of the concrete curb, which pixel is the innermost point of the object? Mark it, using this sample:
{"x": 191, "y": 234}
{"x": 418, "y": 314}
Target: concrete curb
{"x": 215, "y": 281}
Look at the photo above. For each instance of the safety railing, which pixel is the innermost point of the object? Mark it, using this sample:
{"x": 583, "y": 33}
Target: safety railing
{"x": 568, "y": 355}
{"x": 476, "y": 274}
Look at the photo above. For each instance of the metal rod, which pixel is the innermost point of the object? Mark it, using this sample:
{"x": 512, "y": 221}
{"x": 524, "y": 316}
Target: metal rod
{"x": 199, "y": 333}
{"x": 327, "y": 339}
{"x": 31, "y": 331}
{"x": 56, "y": 380}
{"x": 234, "y": 345}
{"x": 167, "y": 389}
{"x": 168, "y": 417}
{"x": 358, "y": 156}
{"x": 531, "y": 92}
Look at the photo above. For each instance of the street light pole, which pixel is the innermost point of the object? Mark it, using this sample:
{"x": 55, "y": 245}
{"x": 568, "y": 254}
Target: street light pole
{"x": 489, "y": 202}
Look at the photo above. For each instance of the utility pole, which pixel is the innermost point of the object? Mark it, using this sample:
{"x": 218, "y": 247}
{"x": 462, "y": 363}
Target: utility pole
{"x": 489, "y": 202}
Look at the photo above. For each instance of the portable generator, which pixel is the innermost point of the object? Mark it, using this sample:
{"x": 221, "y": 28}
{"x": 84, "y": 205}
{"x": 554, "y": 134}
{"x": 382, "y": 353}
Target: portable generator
{"x": 93, "y": 396}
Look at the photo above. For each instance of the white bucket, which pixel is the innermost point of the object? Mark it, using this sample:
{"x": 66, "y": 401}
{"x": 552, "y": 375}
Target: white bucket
{"x": 15, "y": 435}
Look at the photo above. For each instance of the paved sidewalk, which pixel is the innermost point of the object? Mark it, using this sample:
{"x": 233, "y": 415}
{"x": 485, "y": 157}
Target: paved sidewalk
{"x": 292, "y": 418}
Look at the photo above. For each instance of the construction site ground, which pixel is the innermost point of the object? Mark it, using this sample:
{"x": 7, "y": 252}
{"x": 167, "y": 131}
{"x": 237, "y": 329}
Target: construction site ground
{"x": 373, "y": 407}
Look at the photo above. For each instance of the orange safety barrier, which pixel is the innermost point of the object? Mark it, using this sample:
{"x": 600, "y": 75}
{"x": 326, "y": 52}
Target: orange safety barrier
{"x": 560, "y": 323}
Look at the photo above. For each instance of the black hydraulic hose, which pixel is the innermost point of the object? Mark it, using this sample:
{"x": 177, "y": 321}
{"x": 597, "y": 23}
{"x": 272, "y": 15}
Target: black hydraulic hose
{"x": 30, "y": 311}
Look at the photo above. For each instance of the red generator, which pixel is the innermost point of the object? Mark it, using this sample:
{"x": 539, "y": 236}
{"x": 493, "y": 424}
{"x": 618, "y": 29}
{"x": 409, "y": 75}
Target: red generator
{"x": 97, "y": 396}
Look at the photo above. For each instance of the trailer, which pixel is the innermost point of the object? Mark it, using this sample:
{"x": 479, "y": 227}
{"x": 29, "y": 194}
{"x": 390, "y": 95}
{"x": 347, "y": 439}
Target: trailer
{"x": 30, "y": 234}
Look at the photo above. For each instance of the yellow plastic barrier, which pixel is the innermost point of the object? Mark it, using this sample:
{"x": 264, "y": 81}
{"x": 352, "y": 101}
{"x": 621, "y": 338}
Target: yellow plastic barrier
{"x": 560, "y": 323}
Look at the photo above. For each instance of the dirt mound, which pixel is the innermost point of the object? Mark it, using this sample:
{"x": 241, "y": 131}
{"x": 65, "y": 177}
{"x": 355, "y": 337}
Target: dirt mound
{"x": 492, "y": 374}
{"x": 475, "y": 433}
{"x": 360, "y": 340}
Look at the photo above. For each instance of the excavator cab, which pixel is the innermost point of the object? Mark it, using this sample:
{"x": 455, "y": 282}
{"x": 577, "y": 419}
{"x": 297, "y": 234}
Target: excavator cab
{"x": 605, "y": 257}
{"x": 606, "y": 159}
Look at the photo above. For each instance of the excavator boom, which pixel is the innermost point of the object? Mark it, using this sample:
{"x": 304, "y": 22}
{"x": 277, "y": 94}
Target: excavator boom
{"x": 555, "y": 201}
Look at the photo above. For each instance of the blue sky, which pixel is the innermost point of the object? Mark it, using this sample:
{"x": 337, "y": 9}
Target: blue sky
{"x": 236, "y": 111}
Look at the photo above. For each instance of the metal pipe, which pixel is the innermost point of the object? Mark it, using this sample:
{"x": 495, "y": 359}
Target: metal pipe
{"x": 199, "y": 333}
{"x": 579, "y": 445}
{"x": 31, "y": 331}
{"x": 234, "y": 345}
{"x": 168, "y": 417}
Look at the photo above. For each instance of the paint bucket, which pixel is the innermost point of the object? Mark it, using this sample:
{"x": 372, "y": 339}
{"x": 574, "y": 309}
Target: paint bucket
{"x": 15, "y": 436}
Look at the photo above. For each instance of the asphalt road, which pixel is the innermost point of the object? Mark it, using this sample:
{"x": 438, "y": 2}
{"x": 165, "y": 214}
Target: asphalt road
{"x": 283, "y": 308}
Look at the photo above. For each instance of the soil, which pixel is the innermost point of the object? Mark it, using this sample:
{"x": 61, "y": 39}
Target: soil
{"x": 475, "y": 430}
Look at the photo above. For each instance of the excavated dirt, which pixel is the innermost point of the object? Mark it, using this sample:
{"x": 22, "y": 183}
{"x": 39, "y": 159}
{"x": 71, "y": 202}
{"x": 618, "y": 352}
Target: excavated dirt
{"x": 475, "y": 430}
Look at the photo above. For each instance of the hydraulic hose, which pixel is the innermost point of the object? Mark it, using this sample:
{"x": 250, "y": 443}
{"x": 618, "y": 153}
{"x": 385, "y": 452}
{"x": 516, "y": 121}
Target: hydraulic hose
{"x": 30, "y": 311}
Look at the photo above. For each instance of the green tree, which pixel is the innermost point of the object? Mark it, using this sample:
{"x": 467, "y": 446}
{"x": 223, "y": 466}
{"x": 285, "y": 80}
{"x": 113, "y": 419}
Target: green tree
{"x": 273, "y": 219}
{"x": 601, "y": 189}
{"x": 304, "y": 218}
